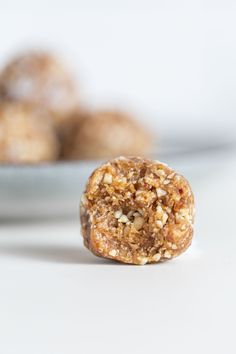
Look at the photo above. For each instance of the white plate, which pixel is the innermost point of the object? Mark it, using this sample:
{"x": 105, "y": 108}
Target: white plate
{"x": 52, "y": 190}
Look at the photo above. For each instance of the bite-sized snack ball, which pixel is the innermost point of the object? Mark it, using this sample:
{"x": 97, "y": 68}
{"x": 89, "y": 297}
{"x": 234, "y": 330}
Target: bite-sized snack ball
{"x": 40, "y": 78}
{"x": 26, "y": 134}
{"x": 105, "y": 134}
{"x": 67, "y": 129}
{"x": 137, "y": 211}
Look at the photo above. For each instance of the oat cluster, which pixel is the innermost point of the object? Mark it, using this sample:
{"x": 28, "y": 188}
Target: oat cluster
{"x": 137, "y": 211}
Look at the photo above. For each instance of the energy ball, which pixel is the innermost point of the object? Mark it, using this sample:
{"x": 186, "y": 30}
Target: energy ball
{"x": 26, "y": 135}
{"x": 137, "y": 211}
{"x": 67, "y": 129}
{"x": 105, "y": 134}
{"x": 40, "y": 78}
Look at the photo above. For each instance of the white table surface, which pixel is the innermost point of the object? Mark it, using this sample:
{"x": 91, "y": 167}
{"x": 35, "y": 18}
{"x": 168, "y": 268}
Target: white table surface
{"x": 56, "y": 297}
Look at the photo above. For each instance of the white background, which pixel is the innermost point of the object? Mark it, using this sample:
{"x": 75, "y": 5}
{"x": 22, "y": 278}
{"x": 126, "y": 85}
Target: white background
{"x": 171, "y": 62}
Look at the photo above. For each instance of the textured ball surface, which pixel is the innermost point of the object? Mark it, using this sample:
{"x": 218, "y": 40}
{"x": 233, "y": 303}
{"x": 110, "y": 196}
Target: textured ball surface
{"x": 137, "y": 211}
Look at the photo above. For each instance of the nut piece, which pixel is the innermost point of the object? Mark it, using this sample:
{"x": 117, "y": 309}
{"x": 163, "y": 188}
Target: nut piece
{"x": 123, "y": 219}
{"x": 156, "y": 257}
{"x": 159, "y": 224}
{"x": 164, "y": 218}
{"x": 161, "y": 192}
{"x": 107, "y": 178}
{"x": 167, "y": 254}
{"x": 113, "y": 253}
{"x": 130, "y": 222}
{"x": 118, "y": 214}
{"x": 142, "y": 260}
{"x": 138, "y": 222}
{"x": 160, "y": 173}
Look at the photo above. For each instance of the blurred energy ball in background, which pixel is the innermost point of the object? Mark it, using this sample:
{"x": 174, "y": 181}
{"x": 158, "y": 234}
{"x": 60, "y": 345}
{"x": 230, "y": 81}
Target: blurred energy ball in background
{"x": 103, "y": 134}
{"x": 26, "y": 134}
{"x": 40, "y": 78}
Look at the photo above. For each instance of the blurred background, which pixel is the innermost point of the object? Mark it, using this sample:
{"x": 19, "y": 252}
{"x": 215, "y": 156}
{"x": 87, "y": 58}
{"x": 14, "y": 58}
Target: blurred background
{"x": 171, "y": 62}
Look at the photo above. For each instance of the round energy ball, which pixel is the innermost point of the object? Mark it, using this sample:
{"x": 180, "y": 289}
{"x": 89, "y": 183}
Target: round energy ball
{"x": 105, "y": 134}
{"x": 137, "y": 211}
{"x": 68, "y": 129}
{"x": 26, "y": 135}
{"x": 40, "y": 78}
